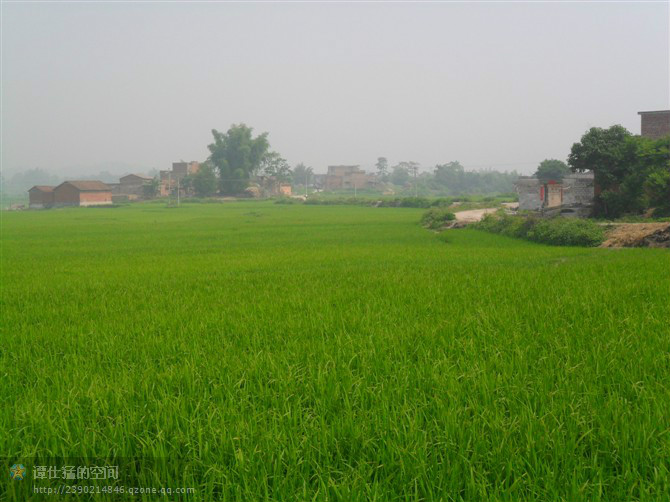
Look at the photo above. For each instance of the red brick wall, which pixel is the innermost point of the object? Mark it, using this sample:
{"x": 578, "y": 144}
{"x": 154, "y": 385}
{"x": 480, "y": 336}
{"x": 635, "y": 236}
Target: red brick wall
{"x": 43, "y": 198}
{"x": 66, "y": 195}
{"x": 94, "y": 198}
{"x": 656, "y": 125}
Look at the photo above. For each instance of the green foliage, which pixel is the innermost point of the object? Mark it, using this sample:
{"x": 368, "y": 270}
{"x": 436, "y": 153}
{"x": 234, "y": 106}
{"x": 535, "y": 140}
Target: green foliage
{"x": 657, "y": 188}
{"x": 567, "y": 232}
{"x": 302, "y": 175}
{"x": 22, "y": 181}
{"x": 419, "y": 202}
{"x": 554, "y": 231}
{"x": 150, "y": 189}
{"x": 453, "y": 179}
{"x": 331, "y": 353}
{"x": 602, "y": 151}
{"x": 632, "y": 172}
{"x": 382, "y": 166}
{"x": 552, "y": 170}
{"x": 288, "y": 200}
{"x": 204, "y": 181}
{"x": 237, "y": 155}
{"x": 400, "y": 175}
{"x": 437, "y": 218}
{"x": 275, "y": 166}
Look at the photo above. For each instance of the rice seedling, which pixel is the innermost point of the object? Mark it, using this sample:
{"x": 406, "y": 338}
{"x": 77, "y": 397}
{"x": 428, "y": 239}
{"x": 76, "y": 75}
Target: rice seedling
{"x": 258, "y": 351}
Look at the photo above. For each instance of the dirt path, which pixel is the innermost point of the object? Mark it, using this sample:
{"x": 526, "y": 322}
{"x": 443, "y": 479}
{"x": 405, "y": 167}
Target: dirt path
{"x": 473, "y": 215}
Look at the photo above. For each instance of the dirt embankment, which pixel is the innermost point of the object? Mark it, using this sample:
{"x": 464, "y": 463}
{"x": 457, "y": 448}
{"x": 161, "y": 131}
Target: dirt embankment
{"x": 653, "y": 235}
{"x": 474, "y": 215}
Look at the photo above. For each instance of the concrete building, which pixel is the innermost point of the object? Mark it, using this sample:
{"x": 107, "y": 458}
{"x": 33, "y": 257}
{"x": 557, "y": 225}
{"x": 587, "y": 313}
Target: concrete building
{"x": 348, "y": 177}
{"x": 573, "y": 196}
{"x": 82, "y": 193}
{"x": 41, "y": 197}
{"x": 182, "y": 169}
{"x": 655, "y": 125}
{"x": 169, "y": 179}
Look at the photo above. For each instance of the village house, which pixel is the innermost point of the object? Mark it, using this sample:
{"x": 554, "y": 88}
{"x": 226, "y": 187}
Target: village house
{"x": 348, "y": 177}
{"x": 131, "y": 185}
{"x": 82, "y": 193}
{"x": 264, "y": 186}
{"x": 170, "y": 179}
{"x": 572, "y": 196}
{"x": 41, "y": 197}
{"x": 655, "y": 125}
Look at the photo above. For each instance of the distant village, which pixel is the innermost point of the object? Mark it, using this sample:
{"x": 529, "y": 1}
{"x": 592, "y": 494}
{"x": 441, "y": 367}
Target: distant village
{"x": 134, "y": 187}
{"x": 572, "y": 195}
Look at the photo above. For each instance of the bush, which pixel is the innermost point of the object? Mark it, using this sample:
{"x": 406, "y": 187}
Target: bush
{"x": 288, "y": 200}
{"x": 437, "y": 218}
{"x": 567, "y": 232}
{"x": 556, "y": 231}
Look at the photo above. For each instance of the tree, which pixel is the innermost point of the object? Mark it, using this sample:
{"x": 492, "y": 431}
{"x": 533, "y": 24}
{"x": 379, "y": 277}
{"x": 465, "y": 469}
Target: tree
{"x": 302, "y": 174}
{"x": 552, "y": 169}
{"x": 601, "y": 151}
{"x": 186, "y": 183}
{"x": 451, "y": 176}
{"x": 630, "y": 171}
{"x": 382, "y": 166}
{"x": 399, "y": 175}
{"x": 150, "y": 189}
{"x": 204, "y": 180}
{"x": 21, "y": 181}
{"x": 237, "y": 155}
{"x": 275, "y": 166}
{"x": 413, "y": 170}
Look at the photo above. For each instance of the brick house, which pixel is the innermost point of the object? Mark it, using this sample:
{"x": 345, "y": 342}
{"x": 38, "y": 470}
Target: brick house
{"x": 41, "y": 196}
{"x": 347, "y": 177}
{"x": 169, "y": 179}
{"x": 82, "y": 193}
{"x": 132, "y": 185}
{"x": 655, "y": 125}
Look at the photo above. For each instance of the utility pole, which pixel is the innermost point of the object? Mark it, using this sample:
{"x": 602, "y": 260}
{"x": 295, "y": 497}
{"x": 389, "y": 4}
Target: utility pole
{"x": 177, "y": 192}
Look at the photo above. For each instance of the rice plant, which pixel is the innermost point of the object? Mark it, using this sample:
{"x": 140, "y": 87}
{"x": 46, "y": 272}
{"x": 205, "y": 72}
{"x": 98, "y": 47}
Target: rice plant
{"x": 257, "y": 351}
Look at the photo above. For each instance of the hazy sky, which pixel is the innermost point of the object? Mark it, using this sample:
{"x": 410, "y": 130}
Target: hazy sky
{"x": 503, "y": 85}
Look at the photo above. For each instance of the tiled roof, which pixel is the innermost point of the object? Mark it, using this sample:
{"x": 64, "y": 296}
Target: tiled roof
{"x": 43, "y": 188}
{"x": 88, "y": 186}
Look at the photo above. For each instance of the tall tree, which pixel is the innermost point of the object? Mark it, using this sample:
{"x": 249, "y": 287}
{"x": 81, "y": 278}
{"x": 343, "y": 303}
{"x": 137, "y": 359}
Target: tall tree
{"x": 382, "y": 166}
{"x": 400, "y": 174}
{"x": 602, "y": 151}
{"x": 552, "y": 169}
{"x": 237, "y": 155}
{"x": 302, "y": 174}
{"x": 274, "y": 165}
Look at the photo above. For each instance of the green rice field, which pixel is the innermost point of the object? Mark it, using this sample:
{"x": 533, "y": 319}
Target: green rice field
{"x": 256, "y": 351}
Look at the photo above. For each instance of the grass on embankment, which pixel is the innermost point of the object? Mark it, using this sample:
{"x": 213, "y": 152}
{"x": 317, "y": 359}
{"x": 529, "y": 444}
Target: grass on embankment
{"x": 334, "y": 353}
{"x": 555, "y": 231}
